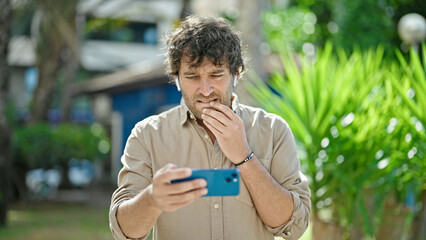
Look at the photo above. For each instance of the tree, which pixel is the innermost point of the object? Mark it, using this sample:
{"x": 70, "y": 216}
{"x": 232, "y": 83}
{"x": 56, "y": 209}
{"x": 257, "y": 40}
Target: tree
{"x": 249, "y": 23}
{"x": 5, "y": 32}
{"x": 56, "y": 38}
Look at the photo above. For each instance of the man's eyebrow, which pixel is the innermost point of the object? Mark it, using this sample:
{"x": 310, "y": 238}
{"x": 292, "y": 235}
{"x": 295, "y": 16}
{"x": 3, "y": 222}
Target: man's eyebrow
{"x": 188, "y": 73}
{"x": 217, "y": 71}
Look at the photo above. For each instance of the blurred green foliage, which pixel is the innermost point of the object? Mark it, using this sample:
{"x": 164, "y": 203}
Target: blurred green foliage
{"x": 45, "y": 146}
{"x": 408, "y": 79}
{"x": 346, "y": 23}
{"x": 289, "y": 28}
{"x": 361, "y": 137}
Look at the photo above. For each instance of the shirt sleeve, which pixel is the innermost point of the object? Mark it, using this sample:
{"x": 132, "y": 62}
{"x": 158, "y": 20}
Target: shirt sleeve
{"x": 285, "y": 168}
{"x": 135, "y": 176}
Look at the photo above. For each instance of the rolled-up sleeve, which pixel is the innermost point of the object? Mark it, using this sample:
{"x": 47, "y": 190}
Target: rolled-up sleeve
{"x": 135, "y": 176}
{"x": 285, "y": 168}
{"x": 298, "y": 223}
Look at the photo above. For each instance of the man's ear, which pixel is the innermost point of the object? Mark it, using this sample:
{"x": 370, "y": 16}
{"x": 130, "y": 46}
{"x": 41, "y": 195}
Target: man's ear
{"x": 177, "y": 83}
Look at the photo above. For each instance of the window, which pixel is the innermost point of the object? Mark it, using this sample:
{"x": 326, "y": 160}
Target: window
{"x": 120, "y": 30}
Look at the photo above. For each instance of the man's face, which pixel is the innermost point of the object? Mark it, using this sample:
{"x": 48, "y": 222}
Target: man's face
{"x": 205, "y": 83}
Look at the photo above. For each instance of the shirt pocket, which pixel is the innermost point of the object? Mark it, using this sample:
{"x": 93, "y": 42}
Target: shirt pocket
{"x": 244, "y": 195}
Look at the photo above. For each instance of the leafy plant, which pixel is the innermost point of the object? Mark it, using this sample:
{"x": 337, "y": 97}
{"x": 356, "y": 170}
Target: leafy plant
{"x": 45, "y": 146}
{"x": 352, "y": 146}
{"x": 32, "y": 145}
{"x": 290, "y": 27}
{"x": 409, "y": 82}
{"x": 365, "y": 23}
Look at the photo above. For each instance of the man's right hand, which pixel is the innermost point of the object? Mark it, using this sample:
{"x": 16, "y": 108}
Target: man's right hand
{"x": 171, "y": 197}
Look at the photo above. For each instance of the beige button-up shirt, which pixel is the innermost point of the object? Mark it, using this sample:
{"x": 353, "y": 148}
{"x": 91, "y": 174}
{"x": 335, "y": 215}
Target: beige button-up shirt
{"x": 175, "y": 137}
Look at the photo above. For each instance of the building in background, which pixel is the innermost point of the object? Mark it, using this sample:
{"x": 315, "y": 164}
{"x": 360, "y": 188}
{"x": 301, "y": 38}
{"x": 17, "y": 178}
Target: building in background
{"x": 122, "y": 78}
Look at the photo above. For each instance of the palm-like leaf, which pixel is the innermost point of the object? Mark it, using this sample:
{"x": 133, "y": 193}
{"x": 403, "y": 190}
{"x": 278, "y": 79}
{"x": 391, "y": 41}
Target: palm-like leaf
{"x": 339, "y": 109}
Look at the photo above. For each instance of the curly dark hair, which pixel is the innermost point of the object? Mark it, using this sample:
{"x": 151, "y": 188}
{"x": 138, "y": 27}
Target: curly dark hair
{"x": 200, "y": 37}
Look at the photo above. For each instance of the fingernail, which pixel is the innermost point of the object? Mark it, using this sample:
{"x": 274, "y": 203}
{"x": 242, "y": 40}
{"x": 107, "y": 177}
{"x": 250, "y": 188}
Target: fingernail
{"x": 203, "y": 115}
{"x": 211, "y": 103}
{"x": 204, "y": 191}
{"x": 204, "y": 110}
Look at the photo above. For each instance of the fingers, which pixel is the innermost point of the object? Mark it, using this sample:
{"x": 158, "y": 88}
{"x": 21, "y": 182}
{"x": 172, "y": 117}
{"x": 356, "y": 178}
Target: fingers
{"x": 221, "y": 124}
{"x": 187, "y": 196}
{"x": 227, "y": 111}
{"x": 229, "y": 130}
{"x": 170, "y": 197}
{"x": 222, "y": 114}
{"x": 216, "y": 118}
{"x": 169, "y": 173}
{"x": 178, "y": 202}
{"x": 186, "y": 186}
{"x": 172, "y": 202}
{"x": 213, "y": 129}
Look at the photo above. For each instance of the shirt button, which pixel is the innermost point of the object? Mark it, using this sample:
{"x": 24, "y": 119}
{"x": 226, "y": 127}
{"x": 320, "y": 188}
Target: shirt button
{"x": 206, "y": 136}
{"x": 288, "y": 234}
{"x": 191, "y": 116}
{"x": 216, "y": 206}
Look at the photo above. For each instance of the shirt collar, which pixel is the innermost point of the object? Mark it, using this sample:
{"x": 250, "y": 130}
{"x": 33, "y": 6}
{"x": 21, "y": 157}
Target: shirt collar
{"x": 187, "y": 114}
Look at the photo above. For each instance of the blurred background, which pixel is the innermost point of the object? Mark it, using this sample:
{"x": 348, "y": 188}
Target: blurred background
{"x": 348, "y": 76}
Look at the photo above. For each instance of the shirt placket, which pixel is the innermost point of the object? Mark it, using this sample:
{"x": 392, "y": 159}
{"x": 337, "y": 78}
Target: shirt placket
{"x": 216, "y": 159}
{"x": 216, "y": 203}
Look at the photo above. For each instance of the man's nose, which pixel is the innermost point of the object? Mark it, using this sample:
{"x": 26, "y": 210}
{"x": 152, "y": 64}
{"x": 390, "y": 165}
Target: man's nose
{"x": 206, "y": 87}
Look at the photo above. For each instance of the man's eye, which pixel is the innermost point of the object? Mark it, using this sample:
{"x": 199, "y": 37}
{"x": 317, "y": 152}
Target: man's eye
{"x": 191, "y": 77}
{"x": 217, "y": 75}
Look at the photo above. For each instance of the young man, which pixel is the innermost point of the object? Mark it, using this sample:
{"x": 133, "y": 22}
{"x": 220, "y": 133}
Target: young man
{"x": 209, "y": 129}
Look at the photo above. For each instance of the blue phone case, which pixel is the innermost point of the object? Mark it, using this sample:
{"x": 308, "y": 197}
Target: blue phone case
{"x": 220, "y": 182}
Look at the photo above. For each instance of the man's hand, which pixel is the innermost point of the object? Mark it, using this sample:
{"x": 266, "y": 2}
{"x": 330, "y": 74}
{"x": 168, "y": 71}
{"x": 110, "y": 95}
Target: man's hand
{"x": 171, "y": 197}
{"x": 229, "y": 131}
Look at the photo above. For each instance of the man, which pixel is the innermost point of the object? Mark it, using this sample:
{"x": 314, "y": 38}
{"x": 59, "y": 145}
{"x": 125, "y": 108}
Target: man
{"x": 209, "y": 129}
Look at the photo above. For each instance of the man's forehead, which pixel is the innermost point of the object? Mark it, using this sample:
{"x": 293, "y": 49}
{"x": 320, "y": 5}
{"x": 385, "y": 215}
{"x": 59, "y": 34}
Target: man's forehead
{"x": 188, "y": 65}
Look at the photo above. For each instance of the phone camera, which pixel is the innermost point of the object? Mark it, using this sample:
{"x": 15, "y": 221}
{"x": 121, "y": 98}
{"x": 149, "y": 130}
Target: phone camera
{"x": 234, "y": 175}
{"x": 228, "y": 179}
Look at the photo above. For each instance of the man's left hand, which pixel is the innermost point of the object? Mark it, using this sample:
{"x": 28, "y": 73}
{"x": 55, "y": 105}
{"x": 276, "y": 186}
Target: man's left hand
{"x": 229, "y": 131}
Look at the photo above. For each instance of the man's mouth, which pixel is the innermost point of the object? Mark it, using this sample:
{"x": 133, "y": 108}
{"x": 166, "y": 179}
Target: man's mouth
{"x": 207, "y": 101}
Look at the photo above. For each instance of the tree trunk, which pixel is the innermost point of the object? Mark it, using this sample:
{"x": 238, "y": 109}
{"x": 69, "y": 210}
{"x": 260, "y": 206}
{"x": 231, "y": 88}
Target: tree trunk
{"x": 48, "y": 52}
{"x": 5, "y": 27}
{"x": 249, "y": 23}
{"x": 420, "y": 220}
{"x": 54, "y": 35}
{"x": 394, "y": 217}
{"x": 326, "y": 231}
{"x": 184, "y": 12}
{"x": 71, "y": 63}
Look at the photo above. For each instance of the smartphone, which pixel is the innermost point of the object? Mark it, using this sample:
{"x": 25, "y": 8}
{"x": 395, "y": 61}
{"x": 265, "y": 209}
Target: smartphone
{"x": 220, "y": 182}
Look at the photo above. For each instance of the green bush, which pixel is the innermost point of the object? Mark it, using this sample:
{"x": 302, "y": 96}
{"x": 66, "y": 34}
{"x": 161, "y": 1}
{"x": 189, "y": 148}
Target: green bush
{"x": 289, "y": 28}
{"x": 352, "y": 131}
{"x": 362, "y": 23}
{"x": 45, "y": 146}
{"x": 409, "y": 84}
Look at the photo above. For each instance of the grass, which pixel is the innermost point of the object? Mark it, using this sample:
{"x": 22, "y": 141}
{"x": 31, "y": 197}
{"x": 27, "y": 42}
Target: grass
{"x": 68, "y": 221}
{"x": 57, "y": 221}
